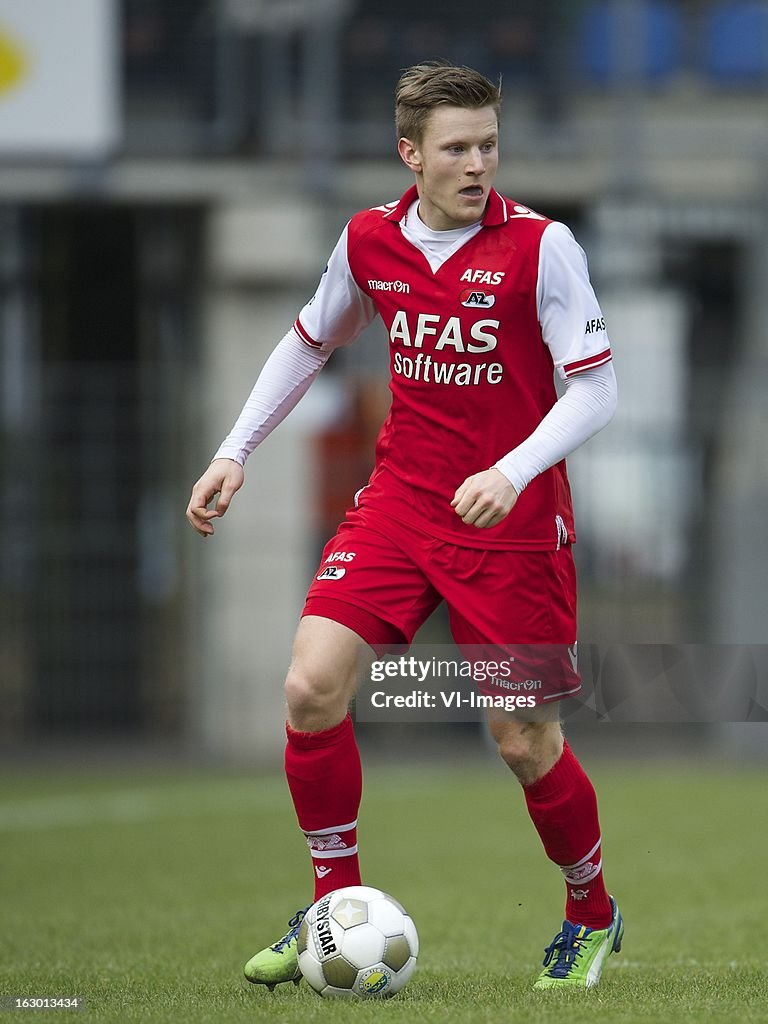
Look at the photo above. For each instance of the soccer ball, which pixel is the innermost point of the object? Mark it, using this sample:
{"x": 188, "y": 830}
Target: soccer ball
{"x": 357, "y": 942}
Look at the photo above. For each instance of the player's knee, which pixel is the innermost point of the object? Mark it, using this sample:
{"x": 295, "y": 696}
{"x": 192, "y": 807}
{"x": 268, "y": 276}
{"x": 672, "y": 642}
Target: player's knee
{"x": 530, "y": 749}
{"x": 516, "y": 750}
{"x": 312, "y": 698}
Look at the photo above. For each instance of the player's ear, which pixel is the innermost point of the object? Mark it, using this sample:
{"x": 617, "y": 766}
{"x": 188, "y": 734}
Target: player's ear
{"x": 410, "y": 154}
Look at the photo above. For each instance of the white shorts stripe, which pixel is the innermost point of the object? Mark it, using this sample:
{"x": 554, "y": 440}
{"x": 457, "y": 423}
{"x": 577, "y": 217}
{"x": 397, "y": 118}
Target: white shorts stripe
{"x": 560, "y": 696}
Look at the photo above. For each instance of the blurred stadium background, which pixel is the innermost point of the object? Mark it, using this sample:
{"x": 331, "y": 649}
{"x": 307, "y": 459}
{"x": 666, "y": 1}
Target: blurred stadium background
{"x": 173, "y": 174}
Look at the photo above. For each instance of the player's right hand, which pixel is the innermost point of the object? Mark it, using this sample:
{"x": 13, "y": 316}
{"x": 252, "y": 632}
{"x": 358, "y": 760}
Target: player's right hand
{"x": 223, "y": 477}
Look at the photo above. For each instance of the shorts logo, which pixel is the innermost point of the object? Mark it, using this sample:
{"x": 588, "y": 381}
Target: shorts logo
{"x": 573, "y": 655}
{"x": 331, "y": 572}
{"x": 470, "y": 297}
{"x": 562, "y": 531}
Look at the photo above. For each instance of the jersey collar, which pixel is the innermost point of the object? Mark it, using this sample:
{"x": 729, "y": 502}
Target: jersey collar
{"x": 495, "y": 208}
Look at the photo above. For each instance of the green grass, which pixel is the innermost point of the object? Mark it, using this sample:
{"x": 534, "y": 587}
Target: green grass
{"x": 146, "y": 895}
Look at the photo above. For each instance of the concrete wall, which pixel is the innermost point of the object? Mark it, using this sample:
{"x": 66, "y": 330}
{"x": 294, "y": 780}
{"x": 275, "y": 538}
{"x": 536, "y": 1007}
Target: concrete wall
{"x": 263, "y": 262}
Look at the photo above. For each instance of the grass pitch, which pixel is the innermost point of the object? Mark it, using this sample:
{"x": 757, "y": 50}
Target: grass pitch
{"x": 146, "y": 894}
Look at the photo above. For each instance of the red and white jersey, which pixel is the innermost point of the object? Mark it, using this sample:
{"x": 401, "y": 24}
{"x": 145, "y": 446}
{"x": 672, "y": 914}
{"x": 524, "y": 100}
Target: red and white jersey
{"x": 474, "y": 341}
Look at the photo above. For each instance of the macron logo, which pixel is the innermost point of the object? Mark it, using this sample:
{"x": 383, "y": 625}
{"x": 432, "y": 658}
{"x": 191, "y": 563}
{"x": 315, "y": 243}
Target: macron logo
{"x": 389, "y": 286}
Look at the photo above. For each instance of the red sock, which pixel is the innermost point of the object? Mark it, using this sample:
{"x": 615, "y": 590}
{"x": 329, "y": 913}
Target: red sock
{"x": 563, "y": 807}
{"x": 326, "y": 783}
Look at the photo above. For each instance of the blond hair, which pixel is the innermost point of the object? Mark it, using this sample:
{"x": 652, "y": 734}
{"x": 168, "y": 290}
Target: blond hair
{"x": 434, "y": 83}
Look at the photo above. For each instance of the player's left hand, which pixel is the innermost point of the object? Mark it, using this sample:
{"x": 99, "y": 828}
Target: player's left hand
{"x": 484, "y": 499}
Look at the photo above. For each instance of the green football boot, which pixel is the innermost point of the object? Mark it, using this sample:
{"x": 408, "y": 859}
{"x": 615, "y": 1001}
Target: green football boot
{"x": 280, "y": 961}
{"x": 575, "y": 957}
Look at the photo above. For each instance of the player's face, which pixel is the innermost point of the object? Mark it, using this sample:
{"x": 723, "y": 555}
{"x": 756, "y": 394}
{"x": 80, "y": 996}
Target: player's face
{"x": 455, "y": 164}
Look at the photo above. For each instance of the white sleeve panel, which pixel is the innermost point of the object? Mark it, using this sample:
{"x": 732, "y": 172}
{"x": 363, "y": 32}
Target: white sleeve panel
{"x": 339, "y": 311}
{"x": 572, "y": 323}
{"x": 588, "y": 404}
{"x": 285, "y": 378}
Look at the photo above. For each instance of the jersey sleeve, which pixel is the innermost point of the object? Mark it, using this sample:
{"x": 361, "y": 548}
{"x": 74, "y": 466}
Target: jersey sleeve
{"x": 285, "y": 378}
{"x": 572, "y": 323}
{"x": 339, "y": 311}
{"x": 587, "y": 406}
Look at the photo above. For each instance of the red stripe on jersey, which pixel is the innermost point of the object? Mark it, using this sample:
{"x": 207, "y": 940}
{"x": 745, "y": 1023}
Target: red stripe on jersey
{"x": 306, "y": 337}
{"x": 587, "y": 364}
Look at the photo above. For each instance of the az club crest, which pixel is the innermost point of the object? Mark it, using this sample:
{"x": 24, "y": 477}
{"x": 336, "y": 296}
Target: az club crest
{"x": 474, "y": 298}
{"x": 331, "y": 572}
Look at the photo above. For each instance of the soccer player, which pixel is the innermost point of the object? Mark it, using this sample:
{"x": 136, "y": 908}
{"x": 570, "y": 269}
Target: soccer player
{"x": 483, "y": 299}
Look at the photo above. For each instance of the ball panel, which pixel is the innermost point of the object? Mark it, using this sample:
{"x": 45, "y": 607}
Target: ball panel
{"x": 301, "y": 938}
{"x": 339, "y": 973}
{"x": 409, "y": 930}
{"x": 363, "y": 945}
{"x": 385, "y": 915}
{"x": 349, "y": 913}
{"x": 399, "y": 906}
{"x": 357, "y": 892}
{"x": 338, "y": 993}
{"x": 312, "y": 971}
{"x": 403, "y": 976}
{"x": 397, "y": 952}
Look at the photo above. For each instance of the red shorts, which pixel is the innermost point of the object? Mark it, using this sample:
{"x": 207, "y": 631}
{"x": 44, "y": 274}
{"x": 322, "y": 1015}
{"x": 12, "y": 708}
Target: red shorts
{"x": 383, "y": 580}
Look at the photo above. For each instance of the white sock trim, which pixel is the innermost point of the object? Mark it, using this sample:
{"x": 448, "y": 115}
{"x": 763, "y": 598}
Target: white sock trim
{"x": 569, "y": 867}
{"x": 583, "y": 874}
{"x": 328, "y": 854}
{"x": 333, "y": 828}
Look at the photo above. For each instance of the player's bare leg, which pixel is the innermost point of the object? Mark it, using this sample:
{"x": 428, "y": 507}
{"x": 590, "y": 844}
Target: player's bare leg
{"x": 562, "y": 804}
{"x": 323, "y": 768}
{"x": 530, "y": 744}
{"x": 327, "y": 662}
